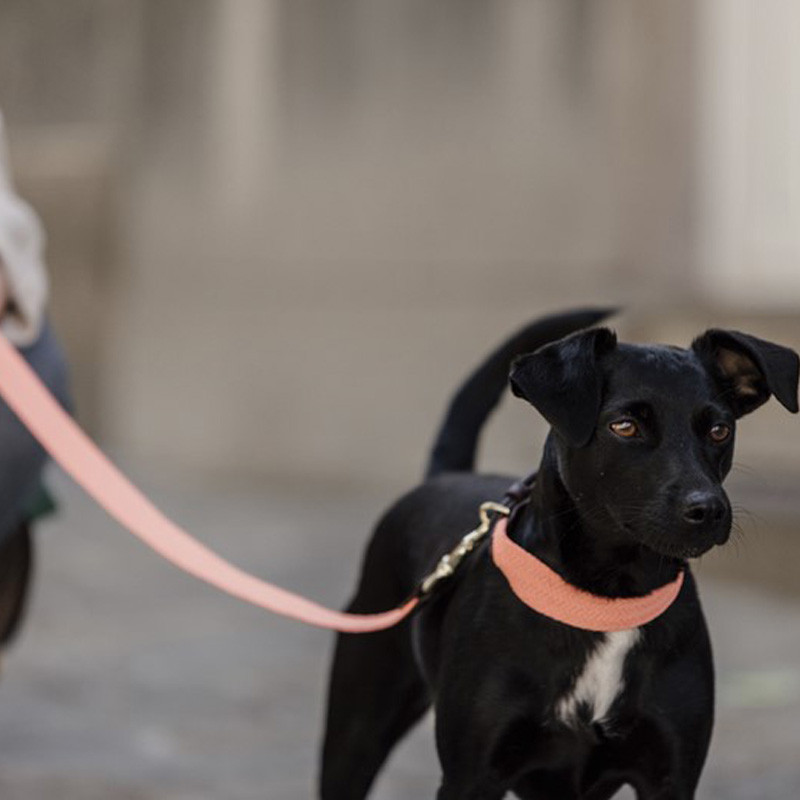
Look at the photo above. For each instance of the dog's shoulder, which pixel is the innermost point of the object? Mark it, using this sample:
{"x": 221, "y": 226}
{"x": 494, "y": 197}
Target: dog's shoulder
{"x": 445, "y": 504}
{"x": 428, "y": 521}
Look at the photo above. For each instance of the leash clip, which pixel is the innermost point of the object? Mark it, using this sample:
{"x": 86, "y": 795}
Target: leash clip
{"x": 450, "y": 562}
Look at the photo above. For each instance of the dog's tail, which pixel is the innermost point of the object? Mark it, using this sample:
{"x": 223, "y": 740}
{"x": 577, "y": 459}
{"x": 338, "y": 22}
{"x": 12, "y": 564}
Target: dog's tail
{"x": 457, "y": 440}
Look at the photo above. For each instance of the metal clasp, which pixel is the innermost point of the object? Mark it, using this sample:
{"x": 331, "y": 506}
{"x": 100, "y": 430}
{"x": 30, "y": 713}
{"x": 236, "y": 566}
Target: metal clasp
{"x": 449, "y": 563}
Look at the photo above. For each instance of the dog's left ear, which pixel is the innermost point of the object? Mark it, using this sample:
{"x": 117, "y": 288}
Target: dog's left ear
{"x": 749, "y": 369}
{"x": 562, "y": 381}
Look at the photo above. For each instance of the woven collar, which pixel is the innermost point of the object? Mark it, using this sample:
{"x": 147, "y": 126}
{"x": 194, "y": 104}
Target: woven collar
{"x": 545, "y": 591}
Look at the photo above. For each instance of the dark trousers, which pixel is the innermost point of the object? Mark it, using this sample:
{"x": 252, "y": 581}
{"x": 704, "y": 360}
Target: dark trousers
{"x": 21, "y": 463}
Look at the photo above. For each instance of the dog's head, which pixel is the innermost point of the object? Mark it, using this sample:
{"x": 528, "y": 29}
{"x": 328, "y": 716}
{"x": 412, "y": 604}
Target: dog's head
{"x": 644, "y": 435}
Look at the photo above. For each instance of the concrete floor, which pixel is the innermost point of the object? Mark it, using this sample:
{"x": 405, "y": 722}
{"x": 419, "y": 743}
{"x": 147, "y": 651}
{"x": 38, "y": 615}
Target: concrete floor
{"x": 133, "y": 682}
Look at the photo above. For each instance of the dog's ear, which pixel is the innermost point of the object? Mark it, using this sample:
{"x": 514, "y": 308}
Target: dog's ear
{"x": 562, "y": 381}
{"x": 749, "y": 369}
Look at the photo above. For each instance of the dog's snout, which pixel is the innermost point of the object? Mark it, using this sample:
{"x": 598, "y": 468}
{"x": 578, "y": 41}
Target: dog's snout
{"x": 703, "y": 508}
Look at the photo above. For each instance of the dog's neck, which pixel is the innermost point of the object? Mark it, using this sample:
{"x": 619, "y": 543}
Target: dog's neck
{"x": 592, "y": 555}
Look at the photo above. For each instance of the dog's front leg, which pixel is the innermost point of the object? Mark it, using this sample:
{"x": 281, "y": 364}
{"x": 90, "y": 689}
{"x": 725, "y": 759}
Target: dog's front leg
{"x": 466, "y": 742}
{"x": 449, "y": 791}
{"x": 653, "y": 755}
{"x": 465, "y": 756}
{"x": 669, "y": 792}
{"x": 486, "y": 748}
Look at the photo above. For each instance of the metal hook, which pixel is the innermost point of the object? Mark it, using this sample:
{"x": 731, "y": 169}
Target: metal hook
{"x": 449, "y": 562}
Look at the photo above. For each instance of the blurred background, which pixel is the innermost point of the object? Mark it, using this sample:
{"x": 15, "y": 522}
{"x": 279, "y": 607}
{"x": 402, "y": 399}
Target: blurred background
{"x": 280, "y": 232}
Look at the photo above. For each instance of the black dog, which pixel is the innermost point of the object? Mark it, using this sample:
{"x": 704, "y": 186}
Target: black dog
{"x": 629, "y": 487}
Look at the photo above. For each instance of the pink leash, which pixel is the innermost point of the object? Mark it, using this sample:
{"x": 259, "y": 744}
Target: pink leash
{"x": 531, "y": 580}
{"x": 78, "y": 455}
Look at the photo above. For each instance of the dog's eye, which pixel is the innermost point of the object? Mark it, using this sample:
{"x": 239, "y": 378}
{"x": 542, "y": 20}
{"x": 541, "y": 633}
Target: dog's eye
{"x": 720, "y": 433}
{"x": 626, "y": 428}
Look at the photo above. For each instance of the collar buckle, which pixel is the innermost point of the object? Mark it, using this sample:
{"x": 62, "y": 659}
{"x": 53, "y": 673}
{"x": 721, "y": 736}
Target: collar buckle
{"x": 450, "y": 562}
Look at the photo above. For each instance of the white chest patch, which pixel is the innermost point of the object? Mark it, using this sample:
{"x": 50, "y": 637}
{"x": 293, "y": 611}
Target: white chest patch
{"x": 600, "y": 682}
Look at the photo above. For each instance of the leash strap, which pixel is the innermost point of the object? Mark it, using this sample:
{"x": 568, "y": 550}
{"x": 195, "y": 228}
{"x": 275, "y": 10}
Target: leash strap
{"x": 78, "y": 455}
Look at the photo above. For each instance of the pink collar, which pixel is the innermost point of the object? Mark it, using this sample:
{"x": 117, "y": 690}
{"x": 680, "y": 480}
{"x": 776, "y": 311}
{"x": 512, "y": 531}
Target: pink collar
{"x": 545, "y": 591}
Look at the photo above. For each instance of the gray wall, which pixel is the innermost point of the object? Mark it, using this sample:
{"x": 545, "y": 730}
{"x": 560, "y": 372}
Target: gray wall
{"x": 282, "y": 231}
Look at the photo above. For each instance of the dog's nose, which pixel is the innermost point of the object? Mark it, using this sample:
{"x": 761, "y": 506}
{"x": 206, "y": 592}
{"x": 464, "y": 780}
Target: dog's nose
{"x": 703, "y": 508}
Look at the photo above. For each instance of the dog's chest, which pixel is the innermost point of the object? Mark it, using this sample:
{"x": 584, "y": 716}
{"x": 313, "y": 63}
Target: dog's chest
{"x": 600, "y": 681}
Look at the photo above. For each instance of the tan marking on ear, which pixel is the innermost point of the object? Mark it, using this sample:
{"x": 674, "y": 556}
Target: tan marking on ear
{"x": 741, "y": 370}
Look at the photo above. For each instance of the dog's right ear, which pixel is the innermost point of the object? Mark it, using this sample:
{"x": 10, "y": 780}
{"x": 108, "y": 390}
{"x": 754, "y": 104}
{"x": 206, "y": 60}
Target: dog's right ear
{"x": 749, "y": 369}
{"x": 562, "y": 381}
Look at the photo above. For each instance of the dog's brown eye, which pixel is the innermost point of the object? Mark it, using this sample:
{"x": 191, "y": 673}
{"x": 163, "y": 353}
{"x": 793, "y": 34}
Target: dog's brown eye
{"x": 720, "y": 433}
{"x": 626, "y": 428}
